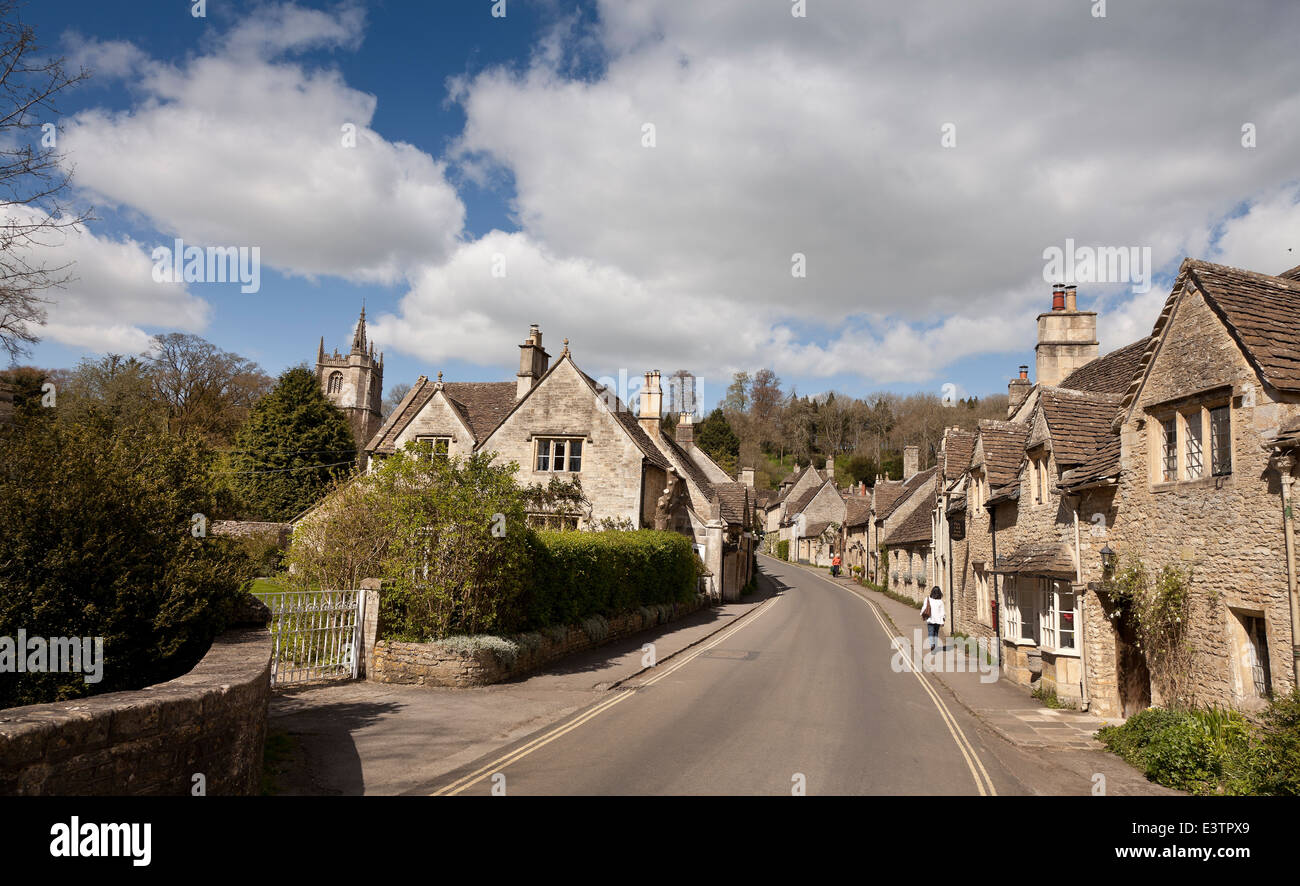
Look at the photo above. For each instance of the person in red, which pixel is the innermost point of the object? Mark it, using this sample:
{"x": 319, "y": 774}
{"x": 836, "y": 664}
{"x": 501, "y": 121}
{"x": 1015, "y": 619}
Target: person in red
{"x": 835, "y": 565}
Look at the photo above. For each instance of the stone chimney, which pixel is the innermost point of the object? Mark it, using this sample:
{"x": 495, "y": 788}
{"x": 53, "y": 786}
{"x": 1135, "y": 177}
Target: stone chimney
{"x": 862, "y": 487}
{"x": 830, "y": 468}
{"x": 1017, "y": 391}
{"x": 652, "y": 398}
{"x": 911, "y": 461}
{"x": 533, "y": 362}
{"x": 1067, "y": 337}
{"x": 685, "y": 433}
{"x": 747, "y": 477}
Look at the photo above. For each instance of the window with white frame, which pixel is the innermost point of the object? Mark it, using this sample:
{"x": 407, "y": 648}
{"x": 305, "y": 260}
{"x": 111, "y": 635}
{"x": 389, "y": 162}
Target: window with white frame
{"x": 559, "y": 454}
{"x": 1057, "y": 614}
{"x": 1020, "y": 617}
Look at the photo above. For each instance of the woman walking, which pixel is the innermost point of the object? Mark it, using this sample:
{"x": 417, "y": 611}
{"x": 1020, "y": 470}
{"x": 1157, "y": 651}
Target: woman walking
{"x": 932, "y": 612}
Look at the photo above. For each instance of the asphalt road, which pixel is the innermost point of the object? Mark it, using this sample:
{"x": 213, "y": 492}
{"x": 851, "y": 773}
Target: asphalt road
{"x": 800, "y": 694}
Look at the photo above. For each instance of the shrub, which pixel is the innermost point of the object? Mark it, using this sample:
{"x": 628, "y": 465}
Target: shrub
{"x": 1277, "y": 764}
{"x": 577, "y": 575}
{"x": 98, "y": 542}
{"x": 783, "y": 550}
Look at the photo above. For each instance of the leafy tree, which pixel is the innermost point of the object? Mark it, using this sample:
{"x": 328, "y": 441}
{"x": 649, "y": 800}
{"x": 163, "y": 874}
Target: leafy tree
{"x": 98, "y": 541}
{"x": 449, "y": 534}
{"x": 114, "y": 392}
{"x": 717, "y": 439}
{"x": 294, "y": 448}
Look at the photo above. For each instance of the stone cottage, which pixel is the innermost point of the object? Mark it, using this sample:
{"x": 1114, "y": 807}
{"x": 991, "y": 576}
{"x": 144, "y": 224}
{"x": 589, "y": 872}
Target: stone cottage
{"x": 1195, "y": 482}
{"x": 555, "y": 421}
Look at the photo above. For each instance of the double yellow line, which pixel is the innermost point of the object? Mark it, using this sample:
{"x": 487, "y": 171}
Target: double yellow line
{"x": 623, "y": 695}
{"x": 982, "y": 781}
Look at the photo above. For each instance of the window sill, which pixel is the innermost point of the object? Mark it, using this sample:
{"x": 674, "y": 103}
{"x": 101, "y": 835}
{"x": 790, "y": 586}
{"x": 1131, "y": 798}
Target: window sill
{"x": 1061, "y": 653}
{"x": 1203, "y": 483}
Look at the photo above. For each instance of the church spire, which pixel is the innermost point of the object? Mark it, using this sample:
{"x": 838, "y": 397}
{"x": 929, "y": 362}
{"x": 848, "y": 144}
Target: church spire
{"x": 359, "y": 340}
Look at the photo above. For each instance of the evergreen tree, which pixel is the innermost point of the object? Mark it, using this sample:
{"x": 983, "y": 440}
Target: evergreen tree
{"x": 294, "y": 447}
{"x": 717, "y": 439}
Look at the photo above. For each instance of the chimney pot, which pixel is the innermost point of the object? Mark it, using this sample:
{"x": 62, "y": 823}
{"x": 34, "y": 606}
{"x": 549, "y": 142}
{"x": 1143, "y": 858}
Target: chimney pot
{"x": 1058, "y": 297}
{"x": 1071, "y": 298}
{"x": 1024, "y": 372}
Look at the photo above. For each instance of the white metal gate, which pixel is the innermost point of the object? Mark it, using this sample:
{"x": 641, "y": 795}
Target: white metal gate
{"x": 317, "y": 635}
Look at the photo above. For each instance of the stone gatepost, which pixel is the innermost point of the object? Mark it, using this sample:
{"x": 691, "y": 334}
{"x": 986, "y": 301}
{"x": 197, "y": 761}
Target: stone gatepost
{"x": 369, "y": 617}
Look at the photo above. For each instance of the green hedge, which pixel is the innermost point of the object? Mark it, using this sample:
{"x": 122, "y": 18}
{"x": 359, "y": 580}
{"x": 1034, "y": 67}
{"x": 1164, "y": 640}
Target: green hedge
{"x": 783, "y": 550}
{"x": 577, "y": 575}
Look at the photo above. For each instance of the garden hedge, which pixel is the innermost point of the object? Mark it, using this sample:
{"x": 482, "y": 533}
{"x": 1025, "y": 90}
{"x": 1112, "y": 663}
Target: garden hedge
{"x": 580, "y": 574}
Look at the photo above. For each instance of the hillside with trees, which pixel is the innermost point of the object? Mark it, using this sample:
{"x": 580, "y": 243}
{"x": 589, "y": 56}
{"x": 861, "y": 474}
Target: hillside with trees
{"x": 760, "y": 424}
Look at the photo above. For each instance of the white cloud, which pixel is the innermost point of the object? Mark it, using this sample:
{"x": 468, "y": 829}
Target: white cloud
{"x": 111, "y": 293}
{"x": 240, "y": 147}
{"x": 822, "y": 136}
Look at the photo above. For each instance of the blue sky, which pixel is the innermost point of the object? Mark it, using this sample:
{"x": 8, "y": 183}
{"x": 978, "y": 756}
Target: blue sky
{"x": 920, "y": 158}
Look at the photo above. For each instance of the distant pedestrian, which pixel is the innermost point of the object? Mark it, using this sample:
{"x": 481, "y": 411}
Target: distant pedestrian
{"x": 835, "y": 565}
{"x": 932, "y": 612}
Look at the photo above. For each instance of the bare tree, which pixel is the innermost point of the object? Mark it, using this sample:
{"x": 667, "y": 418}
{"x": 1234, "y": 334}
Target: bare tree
{"x": 206, "y": 390}
{"x": 32, "y": 179}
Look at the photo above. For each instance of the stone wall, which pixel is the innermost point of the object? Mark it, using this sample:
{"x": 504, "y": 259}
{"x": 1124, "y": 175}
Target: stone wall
{"x": 278, "y": 533}
{"x": 151, "y": 741}
{"x": 451, "y": 664}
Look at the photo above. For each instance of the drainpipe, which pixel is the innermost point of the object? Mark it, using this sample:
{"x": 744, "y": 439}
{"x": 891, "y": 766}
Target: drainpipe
{"x": 1284, "y": 463}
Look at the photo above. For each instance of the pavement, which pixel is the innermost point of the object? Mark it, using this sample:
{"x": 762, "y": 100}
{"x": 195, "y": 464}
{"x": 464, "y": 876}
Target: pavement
{"x": 790, "y": 691}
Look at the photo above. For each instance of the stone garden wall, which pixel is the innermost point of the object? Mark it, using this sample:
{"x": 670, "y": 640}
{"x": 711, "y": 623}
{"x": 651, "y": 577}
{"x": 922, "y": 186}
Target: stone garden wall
{"x": 463, "y": 662}
{"x": 152, "y": 741}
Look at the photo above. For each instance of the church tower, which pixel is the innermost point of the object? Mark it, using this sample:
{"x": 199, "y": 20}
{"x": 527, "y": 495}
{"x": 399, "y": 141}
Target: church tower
{"x": 354, "y": 382}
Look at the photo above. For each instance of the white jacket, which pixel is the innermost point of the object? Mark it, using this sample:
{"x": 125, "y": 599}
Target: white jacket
{"x": 936, "y": 610}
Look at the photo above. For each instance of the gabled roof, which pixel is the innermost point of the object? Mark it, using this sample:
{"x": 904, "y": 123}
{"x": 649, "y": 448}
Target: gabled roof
{"x": 482, "y": 404}
{"x": 733, "y": 501}
{"x": 1258, "y": 310}
{"x": 1110, "y": 374}
{"x": 958, "y": 447}
{"x": 857, "y": 510}
{"x": 1100, "y": 466}
{"x": 802, "y": 501}
{"x": 909, "y": 488}
{"x": 884, "y": 494}
{"x": 621, "y": 413}
{"x": 1078, "y": 422}
{"x": 687, "y": 465}
{"x": 1003, "y": 443}
{"x": 785, "y": 493}
{"x": 917, "y": 526}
